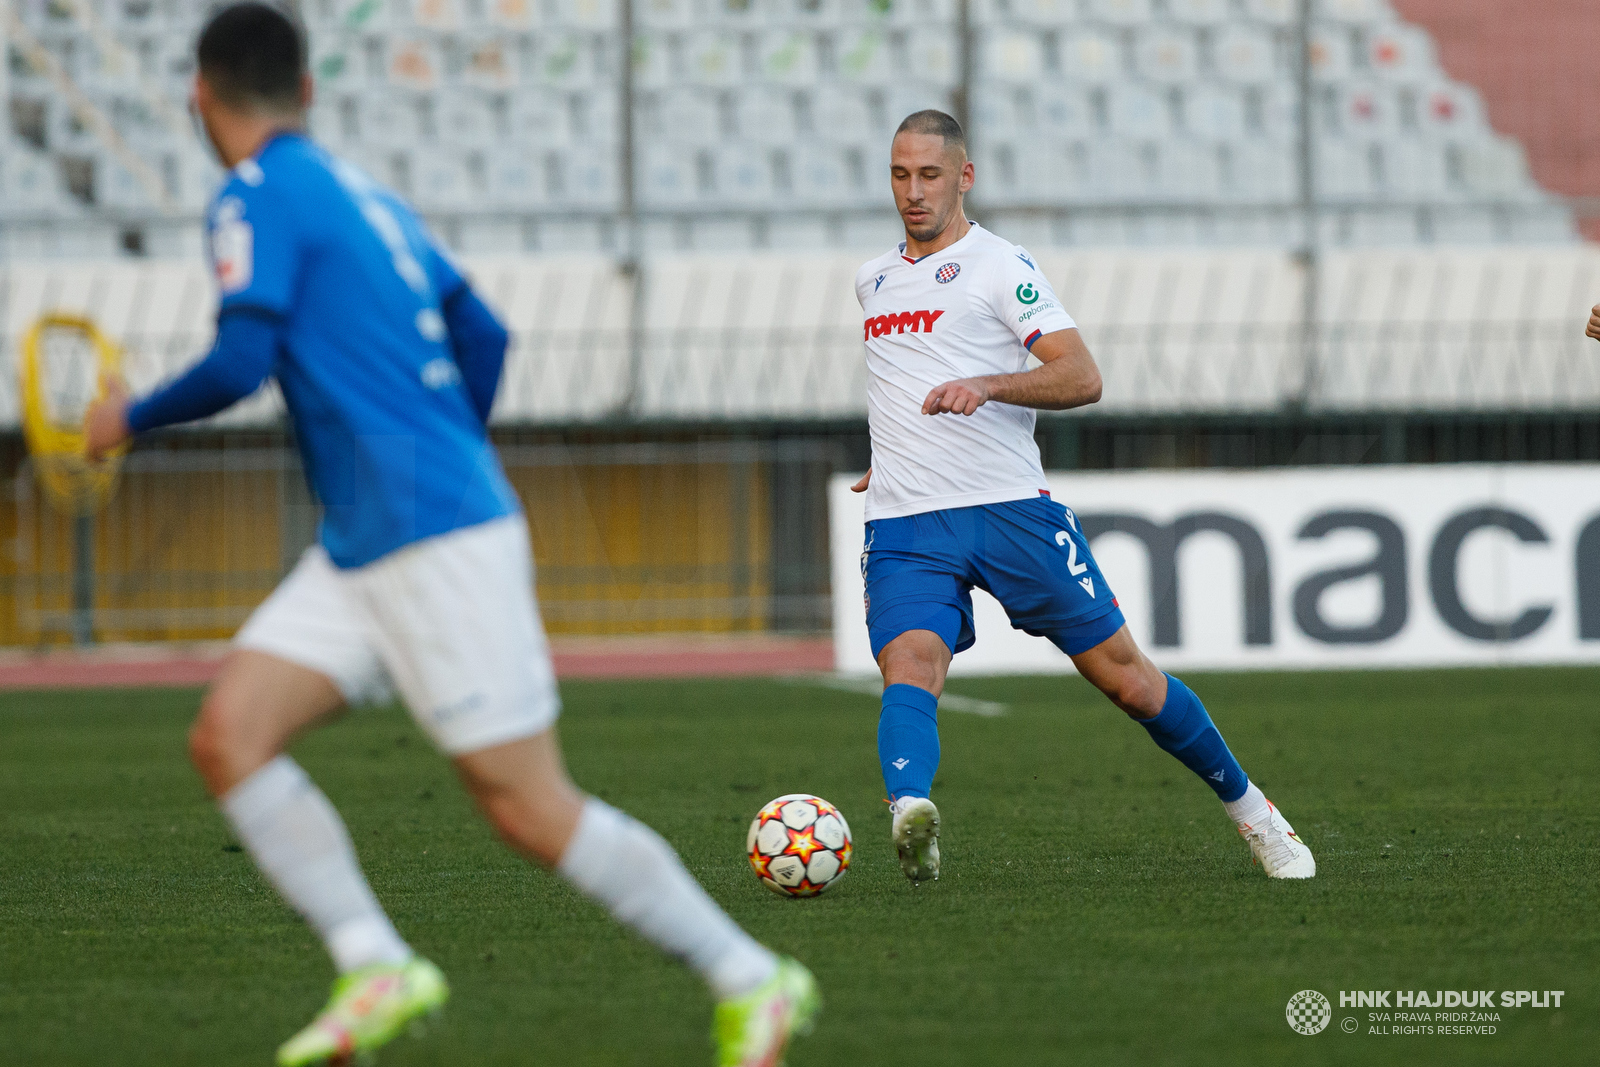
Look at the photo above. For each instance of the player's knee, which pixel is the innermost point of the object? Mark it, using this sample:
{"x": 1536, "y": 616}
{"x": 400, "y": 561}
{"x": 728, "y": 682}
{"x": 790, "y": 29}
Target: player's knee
{"x": 911, "y": 664}
{"x": 218, "y": 746}
{"x": 1136, "y": 692}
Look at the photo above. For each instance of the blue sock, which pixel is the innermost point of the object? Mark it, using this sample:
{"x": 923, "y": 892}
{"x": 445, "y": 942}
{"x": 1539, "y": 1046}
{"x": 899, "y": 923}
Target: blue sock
{"x": 1184, "y": 729}
{"x": 908, "y": 740}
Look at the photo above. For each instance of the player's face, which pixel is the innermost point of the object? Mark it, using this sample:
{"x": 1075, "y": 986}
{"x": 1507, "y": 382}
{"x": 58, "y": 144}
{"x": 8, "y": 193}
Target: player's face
{"x": 928, "y": 179}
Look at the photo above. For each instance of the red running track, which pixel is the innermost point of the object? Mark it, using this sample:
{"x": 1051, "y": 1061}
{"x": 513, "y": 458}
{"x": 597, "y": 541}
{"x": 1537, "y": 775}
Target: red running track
{"x": 695, "y": 656}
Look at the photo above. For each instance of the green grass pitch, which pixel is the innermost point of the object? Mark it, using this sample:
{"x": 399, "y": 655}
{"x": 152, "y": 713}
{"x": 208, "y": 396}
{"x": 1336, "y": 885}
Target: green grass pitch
{"x": 1096, "y": 905}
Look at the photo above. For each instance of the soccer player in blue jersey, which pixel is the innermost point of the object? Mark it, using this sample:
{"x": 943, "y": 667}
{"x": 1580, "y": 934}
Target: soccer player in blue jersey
{"x": 956, "y": 498}
{"x": 421, "y": 579}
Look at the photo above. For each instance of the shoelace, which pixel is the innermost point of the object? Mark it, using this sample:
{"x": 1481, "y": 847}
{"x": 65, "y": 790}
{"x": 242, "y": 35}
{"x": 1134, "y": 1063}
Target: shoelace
{"x": 1274, "y": 844}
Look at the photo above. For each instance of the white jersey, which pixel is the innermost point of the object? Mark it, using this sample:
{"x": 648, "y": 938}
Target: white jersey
{"x": 972, "y": 309}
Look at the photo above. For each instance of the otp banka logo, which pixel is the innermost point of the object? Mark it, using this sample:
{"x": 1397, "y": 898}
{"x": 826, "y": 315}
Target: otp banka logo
{"x": 1027, "y": 294}
{"x": 900, "y": 322}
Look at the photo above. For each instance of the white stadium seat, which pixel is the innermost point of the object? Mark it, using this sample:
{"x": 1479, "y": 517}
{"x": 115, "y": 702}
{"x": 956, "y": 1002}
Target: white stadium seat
{"x": 839, "y": 113}
{"x": 788, "y": 57}
{"x": 1062, "y": 110}
{"x": 743, "y": 175}
{"x": 1199, "y": 12}
{"x": 1167, "y": 54}
{"x": 1121, "y": 12}
{"x": 1091, "y": 56}
{"x": 1367, "y": 109}
{"x": 664, "y": 14}
{"x": 1215, "y": 112}
{"x": 513, "y": 14}
{"x": 1243, "y": 55}
{"x": 766, "y": 115}
{"x": 1272, "y": 12}
{"x": 588, "y": 14}
{"x": 862, "y": 55}
{"x": 1400, "y": 52}
{"x": 1448, "y": 110}
{"x": 667, "y": 177}
{"x": 1352, "y": 12}
{"x": 931, "y": 56}
{"x": 1011, "y": 56}
{"x": 712, "y": 59}
{"x": 1044, "y": 13}
{"x": 1330, "y": 55}
{"x": 1137, "y": 110}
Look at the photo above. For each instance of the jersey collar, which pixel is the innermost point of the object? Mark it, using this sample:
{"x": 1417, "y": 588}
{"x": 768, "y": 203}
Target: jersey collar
{"x": 971, "y": 226}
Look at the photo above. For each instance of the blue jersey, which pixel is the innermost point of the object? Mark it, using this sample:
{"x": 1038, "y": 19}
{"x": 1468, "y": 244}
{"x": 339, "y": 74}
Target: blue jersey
{"x": 392, "y": 444}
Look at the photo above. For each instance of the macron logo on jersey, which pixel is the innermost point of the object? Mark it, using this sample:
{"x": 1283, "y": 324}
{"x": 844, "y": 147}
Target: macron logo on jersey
{"x": 900, "y": 322}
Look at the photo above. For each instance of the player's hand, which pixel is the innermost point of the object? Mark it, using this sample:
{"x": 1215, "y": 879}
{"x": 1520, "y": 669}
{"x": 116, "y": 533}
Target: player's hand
{"x": 105, "y": 425}
{"x": 958, "y": 398}
{"x": 861, "y": 486}
{"x": 1594, "y": 323}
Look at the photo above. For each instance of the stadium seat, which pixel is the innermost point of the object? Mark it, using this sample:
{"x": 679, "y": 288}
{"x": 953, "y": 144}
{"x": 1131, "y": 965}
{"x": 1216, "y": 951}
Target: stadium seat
{"x": 490, "y": 64}
{"x": 820, "y": 178}
{"x": 667, "y": 177}
{"x": 743, "y": 175}
{"x": 540, "y": 117}
{"x": 1353, "y": 12}
{"x": 512, "y": 14}
{"x": 995, "y": 112}
{"x": 1167, "y": 54}
{"x": 863, "y": 56}
{"x": 712, "y": 59}
{"x": 567, "y": 61}
{"x": 1243, "y": 55}
{"x": 1062, "y": 110}
{"x": 1045, "y": 14}
{"x": 685, "y": 116}
{"x": 1272, "y": 12}
{"x": 414, "y": 63}
{"x": 1451, "y": 111}
{"x": 664, "y": 14}
{"x": 840, "y": 114}
{"x": 1011, "y": 56}
{"x": 787, "y": 56}
{"x": 766, "y": 115}
{"x": 1121, "y": 12}
{"x": 588, "y": 14}
{"x": 30, "y": 184}
{"x": 1367, "y": 109}
{"x": 1138, "y": 110}
{"x": 1199, "y": 12}
{"x": 515, "y": 178}
{"x": 439, "y": 181}
{"x": 1091, "y": 56}
{"x": 1330, "y": 55}
{"x": 931, "y": 56}
{"x": 1347, "y": 169}
{"x": 1400, "y": 52}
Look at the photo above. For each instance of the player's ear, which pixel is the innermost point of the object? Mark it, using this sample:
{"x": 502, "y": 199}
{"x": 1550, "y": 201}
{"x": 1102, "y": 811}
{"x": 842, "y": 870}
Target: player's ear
{"x": 969, "y": 175}
{"x": 308, "y": 91}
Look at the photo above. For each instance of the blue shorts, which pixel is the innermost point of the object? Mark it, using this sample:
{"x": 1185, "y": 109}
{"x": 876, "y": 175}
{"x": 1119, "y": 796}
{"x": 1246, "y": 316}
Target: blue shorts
{"x": 1029, "y": 554}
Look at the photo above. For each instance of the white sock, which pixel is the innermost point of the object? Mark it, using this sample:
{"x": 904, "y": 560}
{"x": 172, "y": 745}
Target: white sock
{"x": 301, "y": 845}
{"x": 627, "y": 866}
{"x": 1250, "y": 809}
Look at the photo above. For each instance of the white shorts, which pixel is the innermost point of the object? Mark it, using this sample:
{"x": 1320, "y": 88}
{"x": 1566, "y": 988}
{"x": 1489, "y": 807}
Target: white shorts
{"x": 449, "y": 622}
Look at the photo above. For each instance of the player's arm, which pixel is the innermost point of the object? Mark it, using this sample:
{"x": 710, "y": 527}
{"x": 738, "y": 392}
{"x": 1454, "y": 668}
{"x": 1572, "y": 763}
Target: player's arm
{"x": 241, "y": 359}
{"x": 479, "y": 342}
{"x": 1594, "y": 323}
{"x": 1068, "y": 378}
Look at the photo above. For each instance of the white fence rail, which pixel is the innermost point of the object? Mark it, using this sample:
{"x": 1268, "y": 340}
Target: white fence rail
{"x": 737, "y": 337}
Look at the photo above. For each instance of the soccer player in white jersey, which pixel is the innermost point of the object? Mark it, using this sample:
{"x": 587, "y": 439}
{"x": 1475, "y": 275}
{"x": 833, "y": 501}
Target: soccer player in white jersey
{"x": 956, "y": 498}
{"x": 421, "y": 579}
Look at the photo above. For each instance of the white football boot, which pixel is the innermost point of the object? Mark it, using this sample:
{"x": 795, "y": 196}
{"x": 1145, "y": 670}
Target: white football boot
{"x": 916, "y": 837}
{"x": 1276, "y": 846}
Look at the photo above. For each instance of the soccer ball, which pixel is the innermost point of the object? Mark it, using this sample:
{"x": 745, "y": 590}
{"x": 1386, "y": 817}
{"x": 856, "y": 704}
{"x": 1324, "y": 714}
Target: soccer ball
{"x": 799, "y": 845}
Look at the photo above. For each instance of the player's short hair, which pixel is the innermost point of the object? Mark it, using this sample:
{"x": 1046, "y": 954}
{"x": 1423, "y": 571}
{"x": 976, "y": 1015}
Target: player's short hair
{"x": 937, "y": 123}
{"x": 253, "y": 56}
